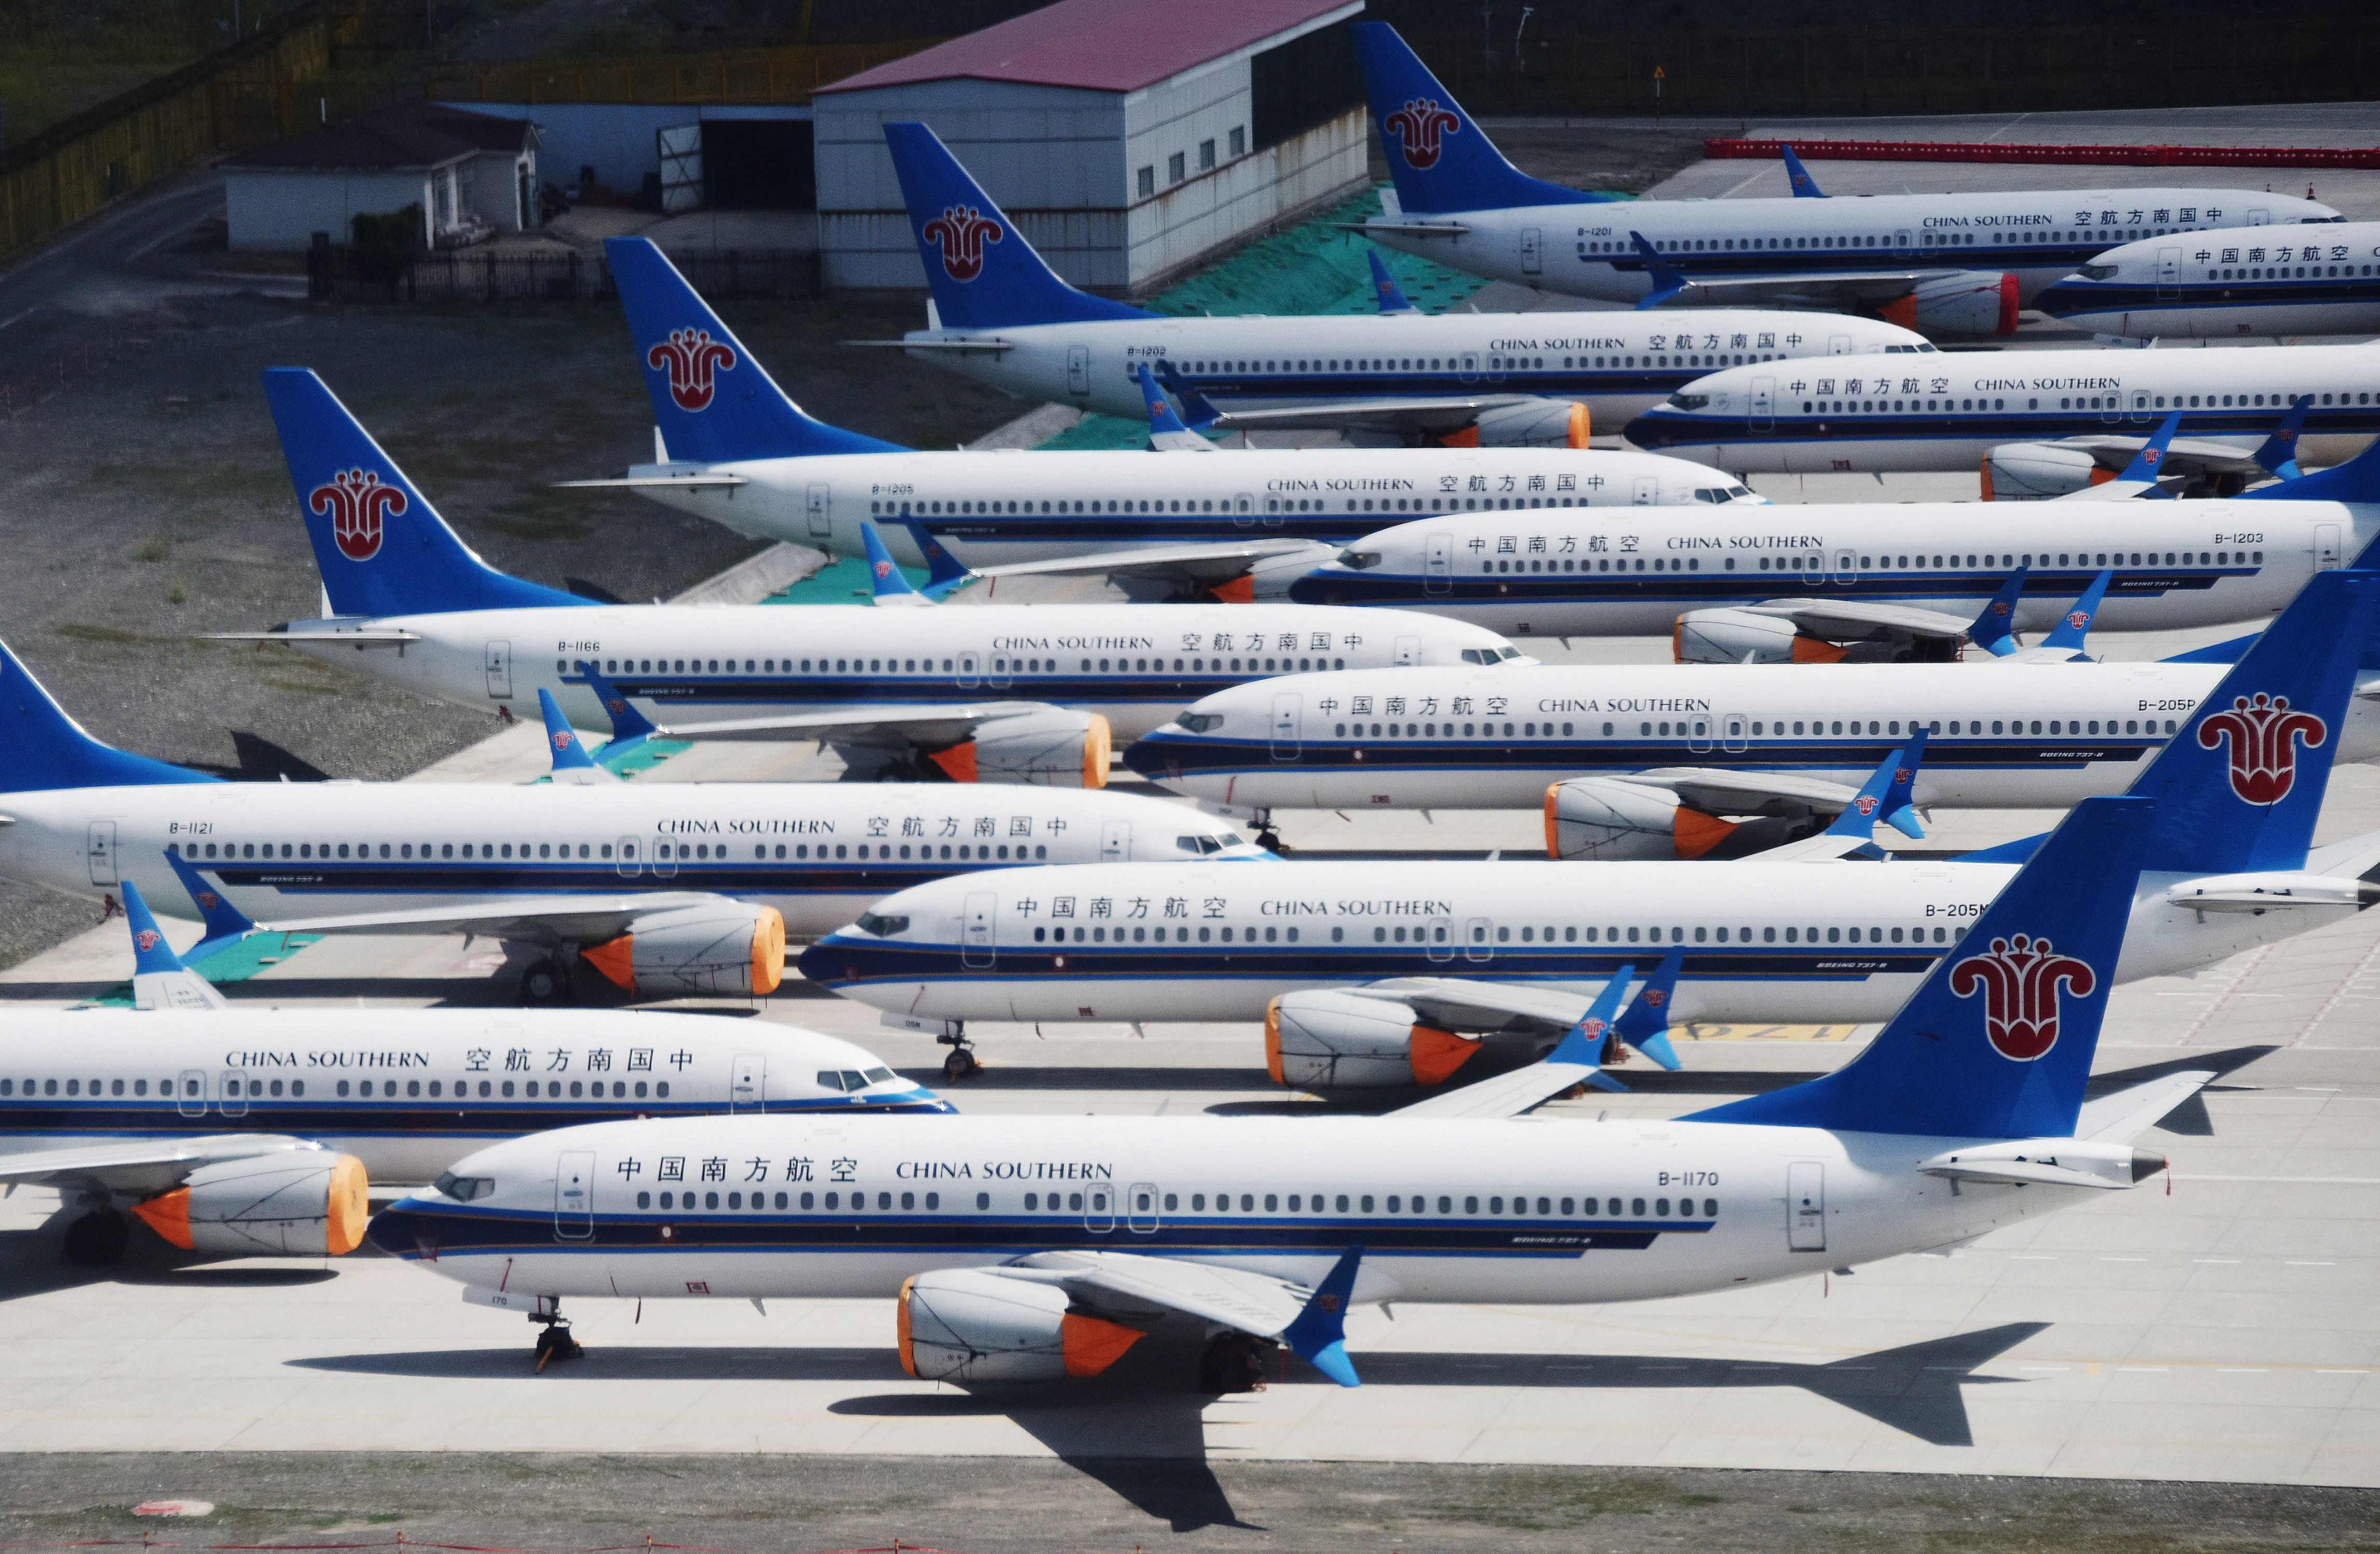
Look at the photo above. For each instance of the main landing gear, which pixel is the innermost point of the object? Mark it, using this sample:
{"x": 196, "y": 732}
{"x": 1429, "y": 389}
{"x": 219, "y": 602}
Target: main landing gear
{"x": 553, "y": 1340}
{"x": 97, "y": 1239}
{"x": 548, "y": 983}
{"x": 1235, "y": 1361}
{"x": 961, "y": 1063}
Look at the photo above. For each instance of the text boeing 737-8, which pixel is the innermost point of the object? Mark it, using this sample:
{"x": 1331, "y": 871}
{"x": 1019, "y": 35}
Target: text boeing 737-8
{"x": 1002, "y": 316}
{"x": 1942, "y": 263}
{"x": 744, "y": 454}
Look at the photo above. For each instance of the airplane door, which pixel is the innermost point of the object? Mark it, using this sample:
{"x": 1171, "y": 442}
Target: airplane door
{"x": 2168, "y": 274}
{"x": 1115, "y": 841}
{"x": 1805, "y": 1207}
{"x": 1442, "y": 939}
{"x": 191, "y": 1099}
{"x": 1098, "y": 1210}
{"x": 1846, "y": 569}
{"x": 1533, "y": 250}
{"x": 976, "y": 946}
{"x": 1079, "y": 370}
{"x": 1648, "y": 491}
{"x": 2260, "y": 218}
{"x": 664, "y": 860}
{"x": 233, "y": 1097}
{"x": 99, "y": 847}
{"x": 2111, "y": 408}
{"x": 574, "y": 1195}
{"x": 623, "y": 857}
{"x": 968, "y": 672}
{"x": 1438, "y": 565}
{"x": 747, "y": 1088}
{"x": 1285, "y": 713}
{"x": 1731, "y": 732}
{"x": 1476, "y": 944}
{"x": 498, "y": 661}
{"x": 1470, "y": 370}
{"x": 1408, "y": 651}
{"x": 1904, "y": 243}
{"x": 1764, "y": 404}
{"x": 1140, "y": 1208}
{"x": 2325, "y": 549}
{"x": 1243, "y": 511}
{"x": 1698, "y": 734}
{"x": 817, "y": 506}
{"x": 2139, "y": 404}
{"x": 1839, "y": 345}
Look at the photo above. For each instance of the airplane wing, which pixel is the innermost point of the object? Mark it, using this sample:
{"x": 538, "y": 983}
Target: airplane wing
{"x": 2185, "y": 455}
{"x": 1309, "y": 1320}
{"x": 357, "y": 637}
{"x": 1213, "y": 563}
{"x": 2125, "y": 1116}
{"x": 931, "y": 725}
{"x": 1854, "y": 619}
{"x": 1464, "y": 1004}
{"x": 976, "y": 347}
{"x": 1831, "y": 290}
{"x": 556, "y": 919}
{"x": 1445, "y": 414}
{"x": 1720, "y": 792}
{"x": 142, "y": 1167}
{"x": 640, "y": 482}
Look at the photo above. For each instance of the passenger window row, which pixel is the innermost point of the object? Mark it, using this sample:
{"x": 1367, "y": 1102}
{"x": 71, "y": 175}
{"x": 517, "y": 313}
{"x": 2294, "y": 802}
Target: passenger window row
{"x": 549, "y": 1089}
{"x": 1520, "y": 1204}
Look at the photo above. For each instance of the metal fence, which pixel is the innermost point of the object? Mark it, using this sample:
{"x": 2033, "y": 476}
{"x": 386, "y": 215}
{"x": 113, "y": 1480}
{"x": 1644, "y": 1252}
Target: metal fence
{"x": 496, "y": 275}
{"x": 787, "y": 74}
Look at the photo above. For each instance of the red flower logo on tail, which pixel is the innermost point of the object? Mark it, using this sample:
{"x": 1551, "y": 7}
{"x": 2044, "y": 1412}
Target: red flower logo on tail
{"x": 1866, "y": 805}
{"x": 148, "y": 940}
{"x": 2019, "y": 978}
{"x": 562, "y": 739}
{"x": 961, "y": 233}
{"x": 693, "y": 360}
{"x": 2264, "y": 733}
{"x": 1417, "y": 129}
{"x": 358, "y": 508}
{"x": 2077, "y": 619}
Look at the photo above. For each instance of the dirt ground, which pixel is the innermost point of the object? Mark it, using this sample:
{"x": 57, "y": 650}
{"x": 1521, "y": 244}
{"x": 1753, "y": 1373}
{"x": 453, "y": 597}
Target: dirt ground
{"x": 145, "y": 503}
{"x": 775, "y": 1505}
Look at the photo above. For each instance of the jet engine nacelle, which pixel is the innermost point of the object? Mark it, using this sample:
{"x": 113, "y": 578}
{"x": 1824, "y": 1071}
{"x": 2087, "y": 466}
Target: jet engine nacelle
{"x": 1537, "y": 423}
{"x": 1966, "y": 302}
{"x": 730, "y": 947}
{"x": 298, "y": 1203}
{"x": 1269, "y": 577}
{"x": 1049, "y": 748}
{"x": 2039, "y": 471}
{"x": 967, "y": 1326}
{"x": 1322, "y": 1039}
{"x": 1725, "y": 636}
{"x": 1607, "y": 818}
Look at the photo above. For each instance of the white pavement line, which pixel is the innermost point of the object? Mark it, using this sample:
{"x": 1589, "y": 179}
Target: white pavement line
{"x": 2365, "y": 964}
{"x": 2291, "y": 1181}
{"x": 2246, "y": 968}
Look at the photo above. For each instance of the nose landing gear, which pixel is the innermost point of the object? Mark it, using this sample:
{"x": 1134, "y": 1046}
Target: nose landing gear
{"x": 553, "y": 1340}
{"x": 961, "y": 1063}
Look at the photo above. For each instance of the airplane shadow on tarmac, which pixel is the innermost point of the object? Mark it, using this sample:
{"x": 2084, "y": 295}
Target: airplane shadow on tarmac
{"x": 1140, "y": 1433}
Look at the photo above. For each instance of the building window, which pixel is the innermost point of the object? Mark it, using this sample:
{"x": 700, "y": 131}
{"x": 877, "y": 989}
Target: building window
{"x": 1147, "y": 182}
{"x": 1176, "y": 167}
{"x": 1239, "y": 140}
{"x": 1206, "y": 155}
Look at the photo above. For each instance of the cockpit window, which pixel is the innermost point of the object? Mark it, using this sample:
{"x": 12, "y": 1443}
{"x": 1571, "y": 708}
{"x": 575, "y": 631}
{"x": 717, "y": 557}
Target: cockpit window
{"x": 1490, "y": 655}
{"x": 1199, "y": 722}
{"x": 878, "y": 1075}
{"x": 463, "y": 1189}
{"x": 882, "y": 925}
{"x": 2096, "y": 272}
{"x": 1358, "y": 560}
{"x": 1684, "y": 401}
{"x": 1203, "y": 844}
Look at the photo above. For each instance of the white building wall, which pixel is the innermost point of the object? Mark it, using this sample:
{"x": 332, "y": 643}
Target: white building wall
{"x": 282, "y": 207}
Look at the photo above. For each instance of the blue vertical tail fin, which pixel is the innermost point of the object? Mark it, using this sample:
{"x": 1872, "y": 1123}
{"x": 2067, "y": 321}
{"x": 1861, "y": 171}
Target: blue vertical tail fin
{"x": 381, "y": 547}
{"x": 41, "y": 749}
{"x": 1994, "y": 628}
{"x": 2278, "y": 453}
{"x": 2074, "y": 626}
{"x": 1392, "y": 296}
{"x": 712, "y": 399}
{"x": 2240, "y": 785}
{"x": 1440, "y": 159}
{"x": 982, "y": 272}
{"x": 1804, "y": 186}
{"x": 1997, "y": 1042}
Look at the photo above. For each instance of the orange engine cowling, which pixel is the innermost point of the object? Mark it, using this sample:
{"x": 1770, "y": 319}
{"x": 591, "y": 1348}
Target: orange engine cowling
{"x": 974, "y": 1325}
{"x": 1606, "y": 819}
{"x": 303, "y": 1202}
{"x": 730, "y": 947}
{"x": 1048, "y": 748}
{"x": 1318, "y": 1039}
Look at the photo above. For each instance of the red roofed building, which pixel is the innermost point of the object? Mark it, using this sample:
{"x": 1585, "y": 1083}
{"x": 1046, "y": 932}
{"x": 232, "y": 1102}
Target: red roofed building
{"x": 1129, "y": 140}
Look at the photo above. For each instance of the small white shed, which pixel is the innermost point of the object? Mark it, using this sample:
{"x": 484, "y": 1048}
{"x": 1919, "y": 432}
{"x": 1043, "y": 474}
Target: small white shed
{"x": 473, "y": 175}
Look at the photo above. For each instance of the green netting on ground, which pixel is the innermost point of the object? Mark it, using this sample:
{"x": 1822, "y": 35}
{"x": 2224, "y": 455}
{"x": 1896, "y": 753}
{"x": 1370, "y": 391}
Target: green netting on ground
{"x": 844, "y": 581}
{"x": 1314, "y": 267}
{"x": 643, "y": 758}
{"x": 235, "y": 962}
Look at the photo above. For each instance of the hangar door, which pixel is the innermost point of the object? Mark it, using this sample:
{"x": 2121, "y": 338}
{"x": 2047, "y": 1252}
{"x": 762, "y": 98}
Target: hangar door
{"x": 758, "y": 164}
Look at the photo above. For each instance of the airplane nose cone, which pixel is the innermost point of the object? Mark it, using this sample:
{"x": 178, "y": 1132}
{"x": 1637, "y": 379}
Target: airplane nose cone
{"x": 824, "y": 964}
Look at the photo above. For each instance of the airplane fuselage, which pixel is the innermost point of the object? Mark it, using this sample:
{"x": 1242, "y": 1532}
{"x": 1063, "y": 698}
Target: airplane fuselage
{"x": 2217, "y": 285}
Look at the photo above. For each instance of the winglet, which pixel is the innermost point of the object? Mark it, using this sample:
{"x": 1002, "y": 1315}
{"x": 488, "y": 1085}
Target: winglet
{"x": 1667, "y": 281}
{"x": 2075, "y": 625}
{"x": 1994, "y": 629}
{"x": 1198, "y": 413}
{"x": 1588, "y": 1042}
{"x": 150, "y": 951}
{"x": 1318, "y": 1334}
{"x": 629, "y": 726}
{"x": 1897, "y": 773}
{"x": 1804, "y": 186}
{"x": 2279, "y": 451}
{"x": 2147, "y": 464}
{"x": 2356, "y": 480}
{"x": 571, "y": 761}
{"x": 1645, "y": 1024}
{"x": 1385, "y": 287}
{"x": 225, "y": 923}
{"x": 945, "y": 574}
{"x": 884, "y": 576}
{"x": 160, "y": 980}
{"x": 1898, "y": 811}
{"x": 1166, "y": 432}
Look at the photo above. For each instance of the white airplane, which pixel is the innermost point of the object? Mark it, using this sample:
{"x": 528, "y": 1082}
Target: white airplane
{"x": 996, "y": 692}
{"x": 2213, "y": 285}
{"x": 999, "y": 314}
{"x": 2027, "y": 418}
{"x": 665, "y": 889}
{"x": 1903, "y": 577}
{"x": 249, "y": 1129}
{"x": 1944, "y": 264}
{"x": 1372, "y": 973}
{"x": 1037, "y": 1248}
{"x": 740, "y": 453}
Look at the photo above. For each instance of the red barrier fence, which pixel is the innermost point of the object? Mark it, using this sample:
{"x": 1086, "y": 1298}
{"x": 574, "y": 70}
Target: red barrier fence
{"x": 1995, "y": 151}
